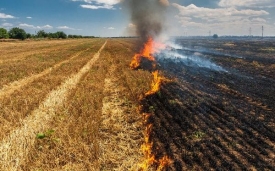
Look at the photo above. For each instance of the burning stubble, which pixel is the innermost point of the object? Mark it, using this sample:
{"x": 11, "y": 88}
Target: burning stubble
{"x": 147, "y": 16}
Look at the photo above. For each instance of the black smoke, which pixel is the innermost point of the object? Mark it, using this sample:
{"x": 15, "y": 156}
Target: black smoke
{"x": 147, "y": 16}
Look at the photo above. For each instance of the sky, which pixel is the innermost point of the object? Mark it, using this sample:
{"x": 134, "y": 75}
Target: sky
{"x": 106, "y": 18}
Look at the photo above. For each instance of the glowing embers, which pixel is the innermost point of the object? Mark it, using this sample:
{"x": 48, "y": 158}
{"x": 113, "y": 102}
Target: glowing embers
{"x": 145, "y": 60}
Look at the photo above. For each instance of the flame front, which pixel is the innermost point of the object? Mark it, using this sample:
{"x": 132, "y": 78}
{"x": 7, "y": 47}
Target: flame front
{"x": 147, "y": 148}
{"x": 146, "y": 60}
{"x": 146, "y": 52}
{"x": 155, "y": 85}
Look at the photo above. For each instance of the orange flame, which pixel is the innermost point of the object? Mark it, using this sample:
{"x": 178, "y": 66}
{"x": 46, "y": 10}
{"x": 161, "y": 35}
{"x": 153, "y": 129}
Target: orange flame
{"x": 146, "y": 52}
{"x": 156, "y": 84}
{"x": 147, "y": 148}
{"x": 149, "y": 48}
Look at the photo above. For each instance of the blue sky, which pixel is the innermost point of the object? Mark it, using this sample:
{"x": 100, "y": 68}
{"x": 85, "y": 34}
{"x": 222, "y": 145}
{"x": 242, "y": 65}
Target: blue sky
{"x": 109, "y": 17}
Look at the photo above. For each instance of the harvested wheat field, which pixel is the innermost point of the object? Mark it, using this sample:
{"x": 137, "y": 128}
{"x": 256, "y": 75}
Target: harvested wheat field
{"x": 86, "y": 104}
{"x": 70, "y": 105}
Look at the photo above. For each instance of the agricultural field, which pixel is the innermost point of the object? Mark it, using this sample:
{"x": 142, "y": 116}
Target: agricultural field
{"x": 70, "y": 105}
{"x": 76, "y": 104}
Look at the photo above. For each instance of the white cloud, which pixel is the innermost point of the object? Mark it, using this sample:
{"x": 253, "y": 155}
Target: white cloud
{"x": 192, "y": 12}
{"x": 7, "y": 25}
{"x": 246, "y": 3}
{"x": 97, "y": 6}
{"x": 107, "y": 2}
{"x": 65, "y": 28}
{"x": 111, "y": 28}
{"x": 24, "y": 25}
{"x": 27, "y": 26}
{"x": 228, "y": 20}
{"x": 216, "y": 14}
{"x": 2, "y": 15}
{"x": 258, "y": 20}
{"x": 46, "y": 27}
{"x": 29, "y": 17}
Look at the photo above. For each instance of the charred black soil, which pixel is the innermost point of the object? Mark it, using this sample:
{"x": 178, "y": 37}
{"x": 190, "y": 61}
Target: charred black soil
{"x": 217, "y": 120}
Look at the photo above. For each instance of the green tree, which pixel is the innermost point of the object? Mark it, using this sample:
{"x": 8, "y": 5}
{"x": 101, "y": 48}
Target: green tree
{"x": 42, "y": 34}
{"x": 29, "y": 36}
{"x": 17, "y": 33}
{"x": 61, "y": 35}
{"x": 52, "y": 35}
{"x": 215, "y": 36}
{"x": 3, "y": 33}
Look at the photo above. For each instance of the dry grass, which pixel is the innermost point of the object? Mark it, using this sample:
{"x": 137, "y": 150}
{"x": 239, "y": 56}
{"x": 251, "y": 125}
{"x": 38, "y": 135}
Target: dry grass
{"x": 11, "y": 87}
{"x": 13, "y": 50}
{"x": 15, "y": 147}
{"x": 76, "y": 127}
{"x": 19, "y": 104}
{"x": 20, "y": 65}
{"x": 90, "y": 123}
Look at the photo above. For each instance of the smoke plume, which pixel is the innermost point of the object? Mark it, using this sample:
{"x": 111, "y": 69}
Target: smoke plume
{"x": 147, "y": 16}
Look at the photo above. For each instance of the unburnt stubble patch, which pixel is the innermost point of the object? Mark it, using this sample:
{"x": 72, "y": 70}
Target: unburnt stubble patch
{"x": 16, "y": 146}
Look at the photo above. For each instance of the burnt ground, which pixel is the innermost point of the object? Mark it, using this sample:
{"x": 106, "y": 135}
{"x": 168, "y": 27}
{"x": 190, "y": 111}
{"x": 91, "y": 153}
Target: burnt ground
{"x": 216, "y": 120}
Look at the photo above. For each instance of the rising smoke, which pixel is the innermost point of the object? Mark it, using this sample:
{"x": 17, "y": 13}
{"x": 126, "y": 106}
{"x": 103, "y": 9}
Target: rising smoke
{"x": 147, "y": 16}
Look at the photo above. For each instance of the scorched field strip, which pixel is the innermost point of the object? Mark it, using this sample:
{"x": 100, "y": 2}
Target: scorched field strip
{"x": 218, "y": 113}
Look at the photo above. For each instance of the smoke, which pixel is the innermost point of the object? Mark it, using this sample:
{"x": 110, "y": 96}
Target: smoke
{"x": 147, "y": 16}
{"x": 174, "y": 52}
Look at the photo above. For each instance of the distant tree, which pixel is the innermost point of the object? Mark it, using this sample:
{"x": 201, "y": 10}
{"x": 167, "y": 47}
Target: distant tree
{"x": 52, "y": 35}
{"x": 74, "y": 36}
{"x": 17, "y": 33}
{"x": 29, "y": 36}
{"x": 215, "y": 36}
{"x": 61, "y": 35}
{"x": 3, "y": 33}
{"x": 42, "y": 34}
{"x": 88, "y": 37}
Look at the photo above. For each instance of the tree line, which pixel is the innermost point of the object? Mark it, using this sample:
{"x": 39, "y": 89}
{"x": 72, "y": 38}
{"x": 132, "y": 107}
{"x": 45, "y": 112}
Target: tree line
{"x": 19, "y": 33}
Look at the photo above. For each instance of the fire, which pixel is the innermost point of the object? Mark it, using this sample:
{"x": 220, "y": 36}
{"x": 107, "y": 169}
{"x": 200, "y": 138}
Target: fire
{"x": 156, "y": 84}
{"x": 146, "y": 60}
{"x": 163, "y": 162}
{"x": 147, "y": 151}
{"x": 145, "y": 53}
{"x": 147, "y": 148}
